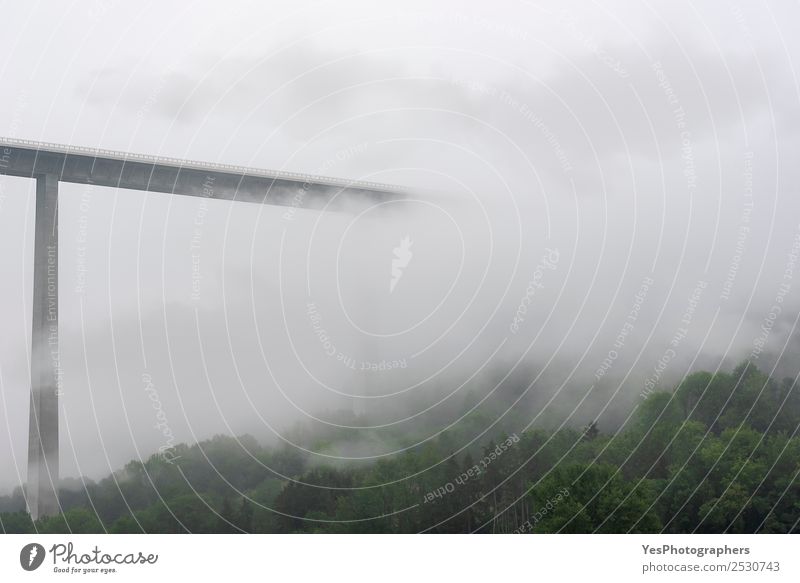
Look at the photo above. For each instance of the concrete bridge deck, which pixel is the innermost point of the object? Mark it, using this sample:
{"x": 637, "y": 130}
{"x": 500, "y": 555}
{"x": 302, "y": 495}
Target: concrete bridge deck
{"x": 170, "y": 175}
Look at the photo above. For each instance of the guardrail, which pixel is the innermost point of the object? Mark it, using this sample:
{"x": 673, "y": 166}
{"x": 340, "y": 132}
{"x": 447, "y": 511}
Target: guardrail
{"x": 123, "y": 156}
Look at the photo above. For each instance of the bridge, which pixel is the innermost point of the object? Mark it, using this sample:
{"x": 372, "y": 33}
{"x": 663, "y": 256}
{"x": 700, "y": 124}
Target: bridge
{"x": 49, "y": 164}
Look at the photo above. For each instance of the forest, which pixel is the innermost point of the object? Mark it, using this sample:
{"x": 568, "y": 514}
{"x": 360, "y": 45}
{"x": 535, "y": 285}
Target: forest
{"x": 717, "y": 453}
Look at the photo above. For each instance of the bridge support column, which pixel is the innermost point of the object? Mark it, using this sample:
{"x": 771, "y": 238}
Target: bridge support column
{"x": 42, "y": 484}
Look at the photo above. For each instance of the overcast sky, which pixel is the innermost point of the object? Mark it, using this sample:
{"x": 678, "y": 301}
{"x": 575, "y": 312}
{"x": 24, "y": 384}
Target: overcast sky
{"x": 589, "y": 149}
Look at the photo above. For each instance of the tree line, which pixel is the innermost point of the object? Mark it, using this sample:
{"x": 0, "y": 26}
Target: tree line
{"x": 718, "y": 453}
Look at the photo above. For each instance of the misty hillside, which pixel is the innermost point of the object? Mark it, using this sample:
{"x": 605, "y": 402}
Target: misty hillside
{"x": 719, "y": 453}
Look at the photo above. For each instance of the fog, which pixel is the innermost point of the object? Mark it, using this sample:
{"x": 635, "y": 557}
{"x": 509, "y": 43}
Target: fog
{"x": 601, "y": 200}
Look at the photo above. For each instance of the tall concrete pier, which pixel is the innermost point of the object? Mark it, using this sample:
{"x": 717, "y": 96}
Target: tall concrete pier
{"x": 42, "y": 491}
{"x": 50, "y": 164}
